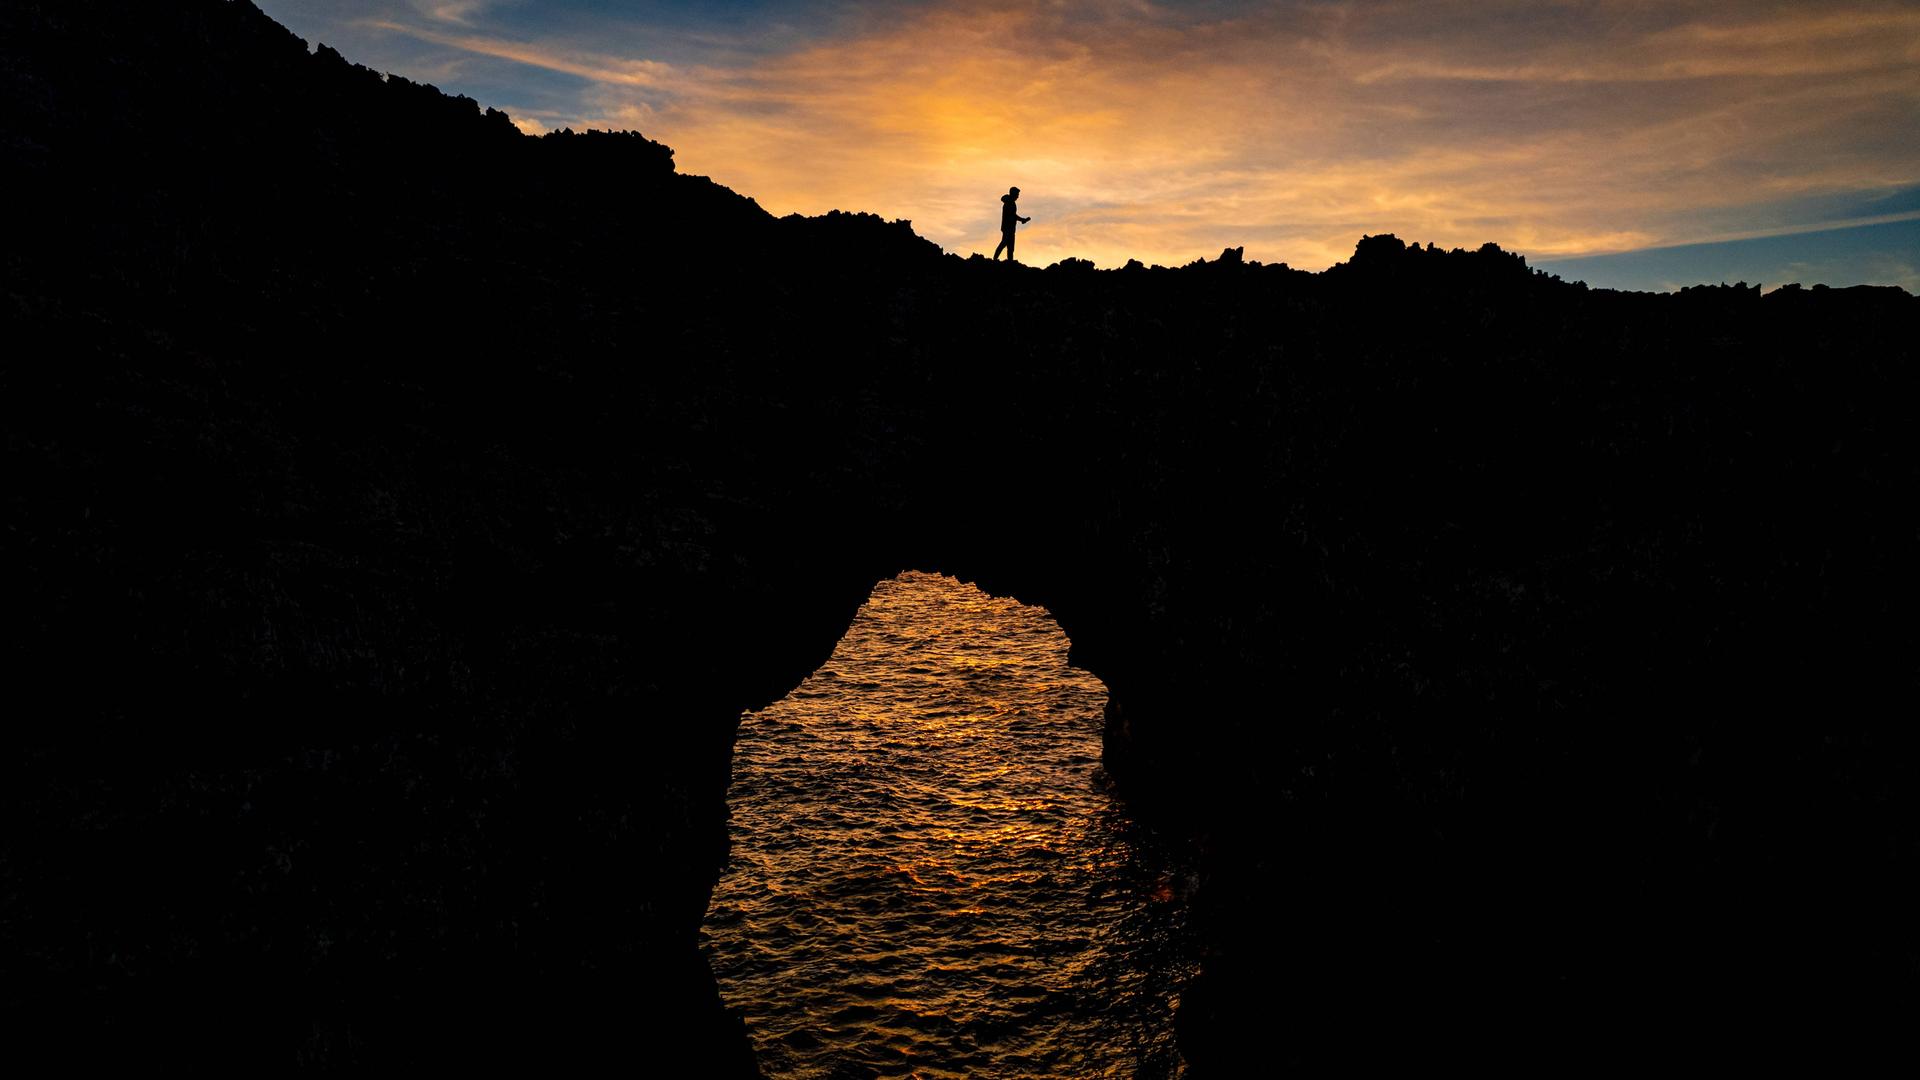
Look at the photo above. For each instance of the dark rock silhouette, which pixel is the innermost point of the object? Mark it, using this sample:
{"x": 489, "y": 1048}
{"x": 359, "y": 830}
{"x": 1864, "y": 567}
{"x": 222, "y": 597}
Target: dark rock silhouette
{"x": 403, "y": 509}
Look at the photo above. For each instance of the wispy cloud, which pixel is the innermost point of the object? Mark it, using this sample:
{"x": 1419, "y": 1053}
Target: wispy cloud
{"x": 452, "y": 11}
{"x": 1165, "y": 132}
{"x": 598, "y": 68}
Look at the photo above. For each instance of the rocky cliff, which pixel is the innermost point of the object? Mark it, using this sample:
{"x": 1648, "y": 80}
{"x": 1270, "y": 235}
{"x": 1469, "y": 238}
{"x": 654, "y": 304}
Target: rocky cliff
{"x": 403, "y": 509}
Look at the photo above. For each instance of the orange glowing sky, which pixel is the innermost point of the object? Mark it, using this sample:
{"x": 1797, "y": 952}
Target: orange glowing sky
{"x": 1166, "y": 132}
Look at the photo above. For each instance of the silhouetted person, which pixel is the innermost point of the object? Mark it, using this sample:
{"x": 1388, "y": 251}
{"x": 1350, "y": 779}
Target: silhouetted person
{"x": 1009, "y": 214}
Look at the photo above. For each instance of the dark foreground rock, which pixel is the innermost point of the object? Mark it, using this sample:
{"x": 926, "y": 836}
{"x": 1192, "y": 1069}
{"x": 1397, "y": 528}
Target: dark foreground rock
{"x": 402, "y": 510}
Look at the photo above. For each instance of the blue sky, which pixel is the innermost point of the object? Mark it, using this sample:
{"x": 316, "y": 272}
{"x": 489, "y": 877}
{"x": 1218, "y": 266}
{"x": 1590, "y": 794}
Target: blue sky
{"x": 1631, "y": 144}
{"x": 1883, "y": 254}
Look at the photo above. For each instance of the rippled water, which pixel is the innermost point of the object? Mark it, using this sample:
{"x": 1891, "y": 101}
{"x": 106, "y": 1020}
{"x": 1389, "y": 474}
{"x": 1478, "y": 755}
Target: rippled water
{"x": 929, "y": 875}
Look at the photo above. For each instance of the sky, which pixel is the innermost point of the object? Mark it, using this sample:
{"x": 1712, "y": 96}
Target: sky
{"x": 1628, "y": 143}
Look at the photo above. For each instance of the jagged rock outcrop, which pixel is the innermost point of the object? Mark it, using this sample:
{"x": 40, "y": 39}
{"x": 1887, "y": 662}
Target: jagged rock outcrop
{"x": 401, "y": 519}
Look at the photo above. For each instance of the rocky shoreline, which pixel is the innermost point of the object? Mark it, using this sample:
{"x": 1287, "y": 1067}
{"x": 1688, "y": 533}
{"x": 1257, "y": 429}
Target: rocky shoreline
{"x": 399, "y": 531}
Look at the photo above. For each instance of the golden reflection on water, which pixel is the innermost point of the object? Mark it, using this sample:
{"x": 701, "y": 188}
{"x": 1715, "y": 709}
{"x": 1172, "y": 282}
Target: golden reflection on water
{"x": 929, "y": 876}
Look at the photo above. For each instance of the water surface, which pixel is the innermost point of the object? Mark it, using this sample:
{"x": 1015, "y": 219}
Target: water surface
{"x": 930, "y": 876}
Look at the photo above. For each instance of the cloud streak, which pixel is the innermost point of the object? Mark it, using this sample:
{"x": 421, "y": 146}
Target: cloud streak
{"x": 1168, "y": 132}
{"x": 599, "y": 69}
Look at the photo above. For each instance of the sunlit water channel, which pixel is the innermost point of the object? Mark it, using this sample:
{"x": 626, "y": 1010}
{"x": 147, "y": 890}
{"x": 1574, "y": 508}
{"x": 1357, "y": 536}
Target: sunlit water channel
{"x": 930, "y": 876}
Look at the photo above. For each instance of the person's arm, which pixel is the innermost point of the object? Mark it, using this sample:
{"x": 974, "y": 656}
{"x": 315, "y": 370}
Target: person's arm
{"x": 1024, "y": 220}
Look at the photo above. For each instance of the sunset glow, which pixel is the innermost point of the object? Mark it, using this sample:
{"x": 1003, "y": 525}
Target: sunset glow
{"x": 1165, "y": 132}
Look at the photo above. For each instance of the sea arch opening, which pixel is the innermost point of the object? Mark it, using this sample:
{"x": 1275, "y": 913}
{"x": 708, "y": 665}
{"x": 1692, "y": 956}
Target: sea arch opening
{"x": 930, "y": 874}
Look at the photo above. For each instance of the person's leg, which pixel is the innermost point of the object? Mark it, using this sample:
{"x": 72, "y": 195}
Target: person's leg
{"x": 1006, "y": 244}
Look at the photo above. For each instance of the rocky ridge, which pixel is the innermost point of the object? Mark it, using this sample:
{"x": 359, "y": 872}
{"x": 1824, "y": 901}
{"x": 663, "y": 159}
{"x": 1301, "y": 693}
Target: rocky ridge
{"x": 405, "y": 508}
